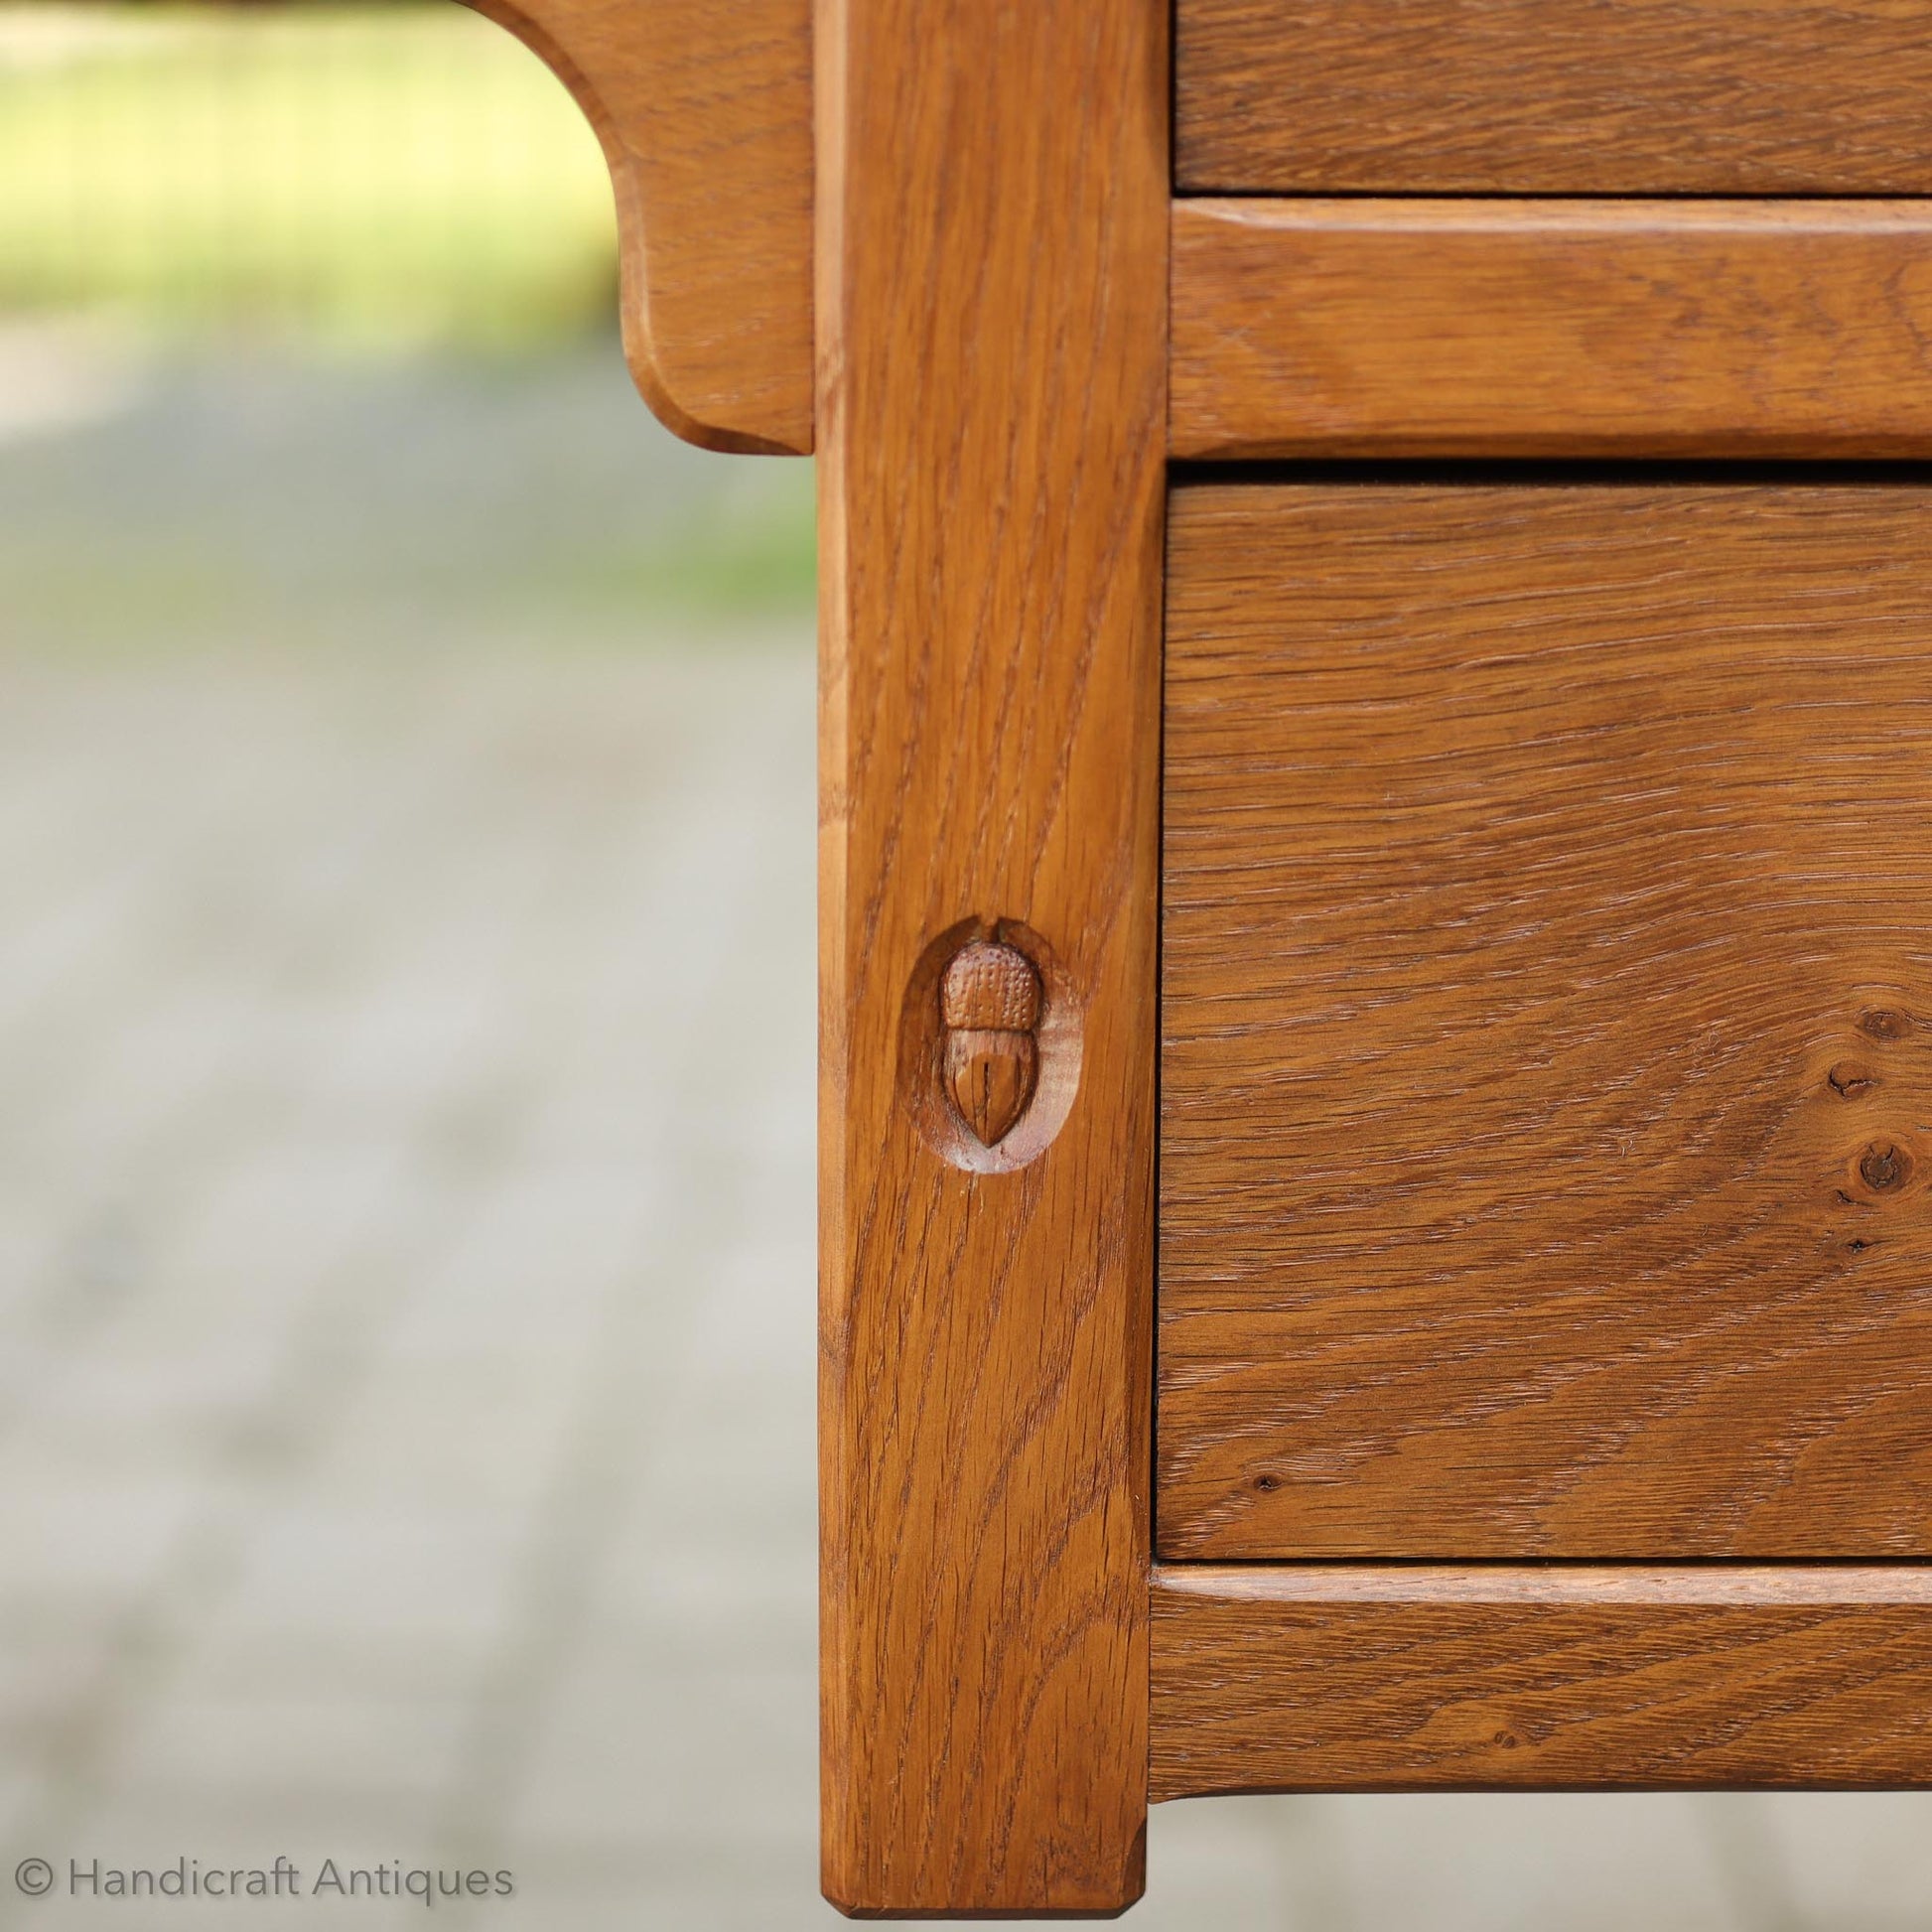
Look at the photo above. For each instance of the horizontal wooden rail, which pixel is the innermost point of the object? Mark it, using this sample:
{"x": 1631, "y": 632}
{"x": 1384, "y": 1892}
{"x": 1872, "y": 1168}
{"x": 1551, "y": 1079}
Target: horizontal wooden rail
{"x": 1328, "y": 328}
{"x": 1407, "y": 1677}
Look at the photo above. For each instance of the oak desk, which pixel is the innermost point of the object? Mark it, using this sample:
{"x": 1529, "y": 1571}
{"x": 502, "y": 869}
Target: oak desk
{"x": 1376, "y": 866}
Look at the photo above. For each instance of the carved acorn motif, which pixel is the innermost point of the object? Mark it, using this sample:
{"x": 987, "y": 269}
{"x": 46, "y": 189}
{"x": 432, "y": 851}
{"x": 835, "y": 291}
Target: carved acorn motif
{"x": 990, "y": 1005}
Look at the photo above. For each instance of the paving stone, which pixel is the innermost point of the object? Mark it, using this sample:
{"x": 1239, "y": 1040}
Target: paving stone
{"x": 295, "y": 1744}
{"x": 1525, "y": 1863}
{"x": 1844, "y": 1862}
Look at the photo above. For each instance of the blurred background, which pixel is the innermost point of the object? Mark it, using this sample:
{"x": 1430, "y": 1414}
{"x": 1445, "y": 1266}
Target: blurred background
{"x": 406, "y": 851}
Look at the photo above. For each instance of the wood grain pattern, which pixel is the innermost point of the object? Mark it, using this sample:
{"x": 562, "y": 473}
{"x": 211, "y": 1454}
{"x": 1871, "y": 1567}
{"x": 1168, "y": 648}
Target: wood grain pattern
{"x": 1555, "y": 96}
{"x": 993, "y": 299}
{"x": 1431, "y": 328}
{"x": 1323, "y": 1679}
{"x": 705, "y": 115}
{"x": 1547, "y": 983}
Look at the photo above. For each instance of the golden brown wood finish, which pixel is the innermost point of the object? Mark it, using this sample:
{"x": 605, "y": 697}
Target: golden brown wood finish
{"x": 1555, "y": 96}
{"x": 1401, "y": 1678}
{"x": 1547, "y": 995}
{"x": 1431, "y": 328}
{"x": 705, "y": 113}
{"x": 993, "y": 296}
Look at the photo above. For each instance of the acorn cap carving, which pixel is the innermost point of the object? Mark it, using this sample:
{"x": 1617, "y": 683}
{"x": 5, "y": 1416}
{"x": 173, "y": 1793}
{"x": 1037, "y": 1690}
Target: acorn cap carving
{"x": 990, "y": 987}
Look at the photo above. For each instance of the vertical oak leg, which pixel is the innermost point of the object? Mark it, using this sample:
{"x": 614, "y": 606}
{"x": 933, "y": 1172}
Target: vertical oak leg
{"x": 992, "y": 300}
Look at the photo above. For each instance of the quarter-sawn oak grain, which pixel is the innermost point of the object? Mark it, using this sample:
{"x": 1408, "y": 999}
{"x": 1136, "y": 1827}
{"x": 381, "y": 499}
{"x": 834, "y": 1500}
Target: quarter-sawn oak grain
{"x": 705, "y": 115}
{"x": 993, "y": 304}
{"x": 1547, "y": 1012}
{"x": 1405, "y": 1677}
{"x": 1555, "y": 96}
{"x": 1562, "y": 328}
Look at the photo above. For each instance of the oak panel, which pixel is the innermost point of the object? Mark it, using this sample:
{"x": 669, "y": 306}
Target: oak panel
{"x": 993, "y": 305}
{"x": 1555, "y": 96}
{"x": 1546, "y": 1022}
{"x": 705, "y": 115}
{"x": 1330, "y": 1678}
{"x": 1575, "y": 328}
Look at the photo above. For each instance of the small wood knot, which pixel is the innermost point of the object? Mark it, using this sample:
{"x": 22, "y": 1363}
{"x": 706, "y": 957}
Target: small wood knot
{"x": 991, "y": 987}
{"x": 1881, "y": 1023}
{"x": 1885, "y": 1167}
{"x": 1849, "y": 1078}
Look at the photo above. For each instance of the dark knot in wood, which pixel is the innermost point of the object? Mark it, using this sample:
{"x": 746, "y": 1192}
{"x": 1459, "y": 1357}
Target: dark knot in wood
{"x": 989, "y": 1006}
{"x": 1885, "y": 1167}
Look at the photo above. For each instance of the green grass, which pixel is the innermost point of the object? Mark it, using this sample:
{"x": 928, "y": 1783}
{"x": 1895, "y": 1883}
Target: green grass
{"x": 366, "y": 176}
{"x": 387, "y": 178}
{"x": 747, "y": 555}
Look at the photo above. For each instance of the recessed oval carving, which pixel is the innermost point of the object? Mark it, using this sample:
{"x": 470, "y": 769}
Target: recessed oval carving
{"x": 990, "y": 1046}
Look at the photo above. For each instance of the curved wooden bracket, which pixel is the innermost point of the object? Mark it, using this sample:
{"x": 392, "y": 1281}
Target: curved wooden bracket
{"x": 705, "y": 113}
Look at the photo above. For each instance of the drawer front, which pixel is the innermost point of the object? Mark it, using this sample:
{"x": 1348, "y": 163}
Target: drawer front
{"x": 1546, "y": 1022}
{"x": 1555, "y": 96}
